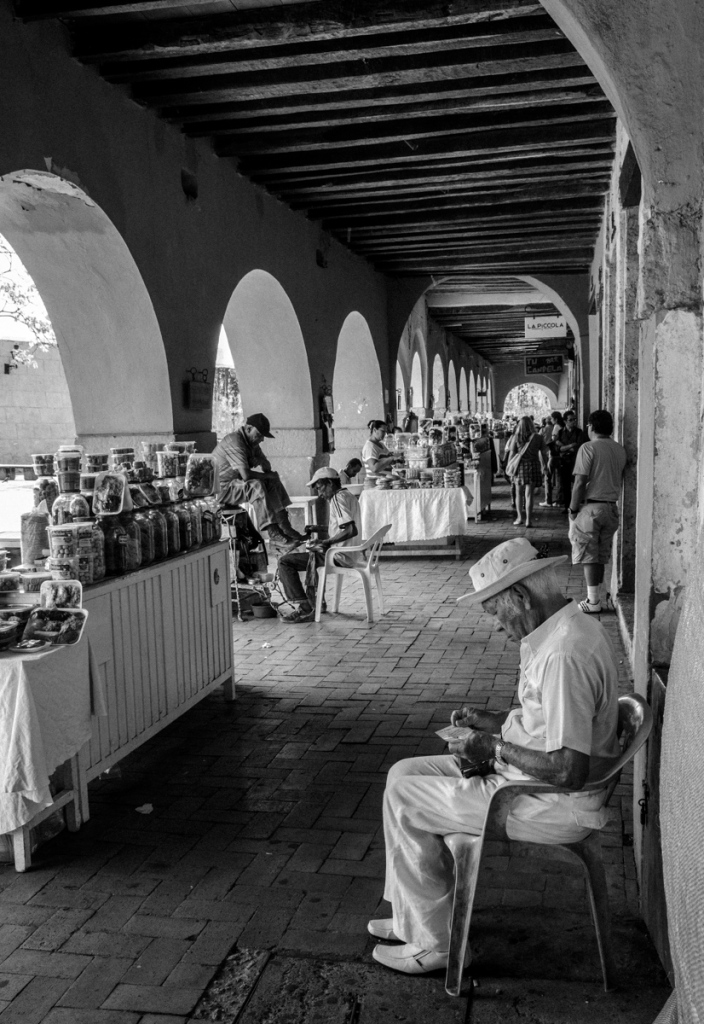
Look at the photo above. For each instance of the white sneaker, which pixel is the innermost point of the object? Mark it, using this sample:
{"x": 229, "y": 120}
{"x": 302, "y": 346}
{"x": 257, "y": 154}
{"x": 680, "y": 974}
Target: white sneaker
{"x": 383, "y": 929}
{"x": 410, "y": 959}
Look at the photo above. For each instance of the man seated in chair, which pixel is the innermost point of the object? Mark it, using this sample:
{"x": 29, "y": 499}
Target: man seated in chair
{"x": 565, "y": 725}
{"x": 344, "y": 527}
{"x": 246, "y": 475}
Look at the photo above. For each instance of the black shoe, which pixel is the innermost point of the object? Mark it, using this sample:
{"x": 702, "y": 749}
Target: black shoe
{"x": 278, "y": 539}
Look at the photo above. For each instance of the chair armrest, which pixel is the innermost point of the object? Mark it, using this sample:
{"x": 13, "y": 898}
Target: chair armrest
{"x": 336, "y": 548}
{"x": 500, "y": 805}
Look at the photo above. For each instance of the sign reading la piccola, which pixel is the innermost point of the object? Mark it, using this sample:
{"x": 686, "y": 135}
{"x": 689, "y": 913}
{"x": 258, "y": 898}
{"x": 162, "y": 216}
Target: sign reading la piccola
{"x": 545, "y": 327}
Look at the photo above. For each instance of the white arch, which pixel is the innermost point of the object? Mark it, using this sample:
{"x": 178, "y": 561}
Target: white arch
{"x": 357, "y": 389}
{"x": 452, "y": 386}
{"x": 417, "y": 384}
{"x": 103, "y": 318}
{"x": 269, "y": 352}
{"x": 472, "y": 393}
{"x": 401, "y": 390}
{"x": 439, "y": 392}
{"x": 462, "y": 397}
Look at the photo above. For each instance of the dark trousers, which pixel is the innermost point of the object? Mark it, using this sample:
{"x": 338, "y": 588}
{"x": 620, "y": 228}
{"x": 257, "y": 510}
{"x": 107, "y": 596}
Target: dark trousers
{"x": 269, "y": 498}
{"x": 290, "y": 568}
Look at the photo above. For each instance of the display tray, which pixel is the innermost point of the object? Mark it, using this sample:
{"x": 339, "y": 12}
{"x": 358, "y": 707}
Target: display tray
{"x": 60, "y": 627}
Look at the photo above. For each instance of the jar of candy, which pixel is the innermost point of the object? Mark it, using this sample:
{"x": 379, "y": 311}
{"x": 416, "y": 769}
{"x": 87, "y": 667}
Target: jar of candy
{"x": 146, "y": 529}
{"x": 68, "y": 507}
{"x": 167, "y": 463}
{"x": 161, "y": 532}
{"x": 173, "y": 529}
{"x": 184, "y": 525}
{"x": 134, "y": 541}
{"x": 206, "y": 521}
{"x": 46, "y": 488}
{"x": 115, "y": 545}
{"x": 196, "y": 524}
{"x": 43, "y": 465}
{"x": 85, "y": 567}
{"x": 98, "y": 550}
{"x": 63, "y": 568}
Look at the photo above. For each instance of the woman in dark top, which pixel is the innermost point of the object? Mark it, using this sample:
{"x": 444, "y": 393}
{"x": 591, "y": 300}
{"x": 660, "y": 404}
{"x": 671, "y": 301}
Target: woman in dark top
{"x": 529, "y": 474}
{"x": 567, "y": 444}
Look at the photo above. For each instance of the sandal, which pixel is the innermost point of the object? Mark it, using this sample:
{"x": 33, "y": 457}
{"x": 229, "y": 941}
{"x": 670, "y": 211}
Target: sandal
{"x": 297, "y": 616}
{"x": 588, "y": 608}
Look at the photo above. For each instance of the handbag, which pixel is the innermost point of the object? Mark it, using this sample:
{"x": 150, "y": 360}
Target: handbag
{"x": 515, "y": 460}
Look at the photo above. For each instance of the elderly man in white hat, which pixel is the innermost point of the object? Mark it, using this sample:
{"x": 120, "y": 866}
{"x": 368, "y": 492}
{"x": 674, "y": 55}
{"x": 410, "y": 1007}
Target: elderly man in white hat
{"x": 345, "y": 524}
{"x": 566, "y": 722}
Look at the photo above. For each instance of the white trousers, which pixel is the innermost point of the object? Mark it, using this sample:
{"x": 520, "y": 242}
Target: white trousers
{"x": 427, "y": 798}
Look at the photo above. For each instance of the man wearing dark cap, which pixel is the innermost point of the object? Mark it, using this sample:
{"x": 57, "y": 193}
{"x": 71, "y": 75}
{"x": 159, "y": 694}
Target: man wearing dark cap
{"x": 246, "y": 475}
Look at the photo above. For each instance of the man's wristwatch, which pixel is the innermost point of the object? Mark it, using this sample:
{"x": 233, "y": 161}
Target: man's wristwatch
{"x": 498, "y": 747}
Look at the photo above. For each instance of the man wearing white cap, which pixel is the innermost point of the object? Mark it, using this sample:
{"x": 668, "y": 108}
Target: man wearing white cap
{"x": 345, "y": 524}
{"x": 566, "y": 723}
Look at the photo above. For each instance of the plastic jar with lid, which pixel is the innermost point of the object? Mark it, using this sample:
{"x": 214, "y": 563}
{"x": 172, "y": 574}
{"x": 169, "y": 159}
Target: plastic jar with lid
{"x": 196, "y": 522}
{"x": 206, "y": 521}
{"x": 217, "y": 519}
{"x": 184, "y": 524}
{"x": 115, "y": 545}
{"x": 161, "y": 532}
{"x": 68, "y": 507}
{"x": 98, "y": 549}
{"x": 85, "y": 567}
{"x": 134, "y": 541}
{"x": 146, "y": 529}
{"x": 173, "y": 529}
{"x": 45, "y": 488}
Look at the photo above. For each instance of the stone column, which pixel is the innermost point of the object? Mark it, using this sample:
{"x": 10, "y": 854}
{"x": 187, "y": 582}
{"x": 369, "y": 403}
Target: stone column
{"x": 295, "y": 454}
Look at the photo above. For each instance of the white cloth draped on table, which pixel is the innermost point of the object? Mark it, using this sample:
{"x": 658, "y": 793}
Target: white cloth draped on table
{"x": 46, "y": 701}
{"x": 416, "y": 515}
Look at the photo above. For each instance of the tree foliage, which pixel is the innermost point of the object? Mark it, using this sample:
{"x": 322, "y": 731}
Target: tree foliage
{"x": 527, "y": 400}
{"x": 21, "y": 302}
{"x": 227, "y": 402}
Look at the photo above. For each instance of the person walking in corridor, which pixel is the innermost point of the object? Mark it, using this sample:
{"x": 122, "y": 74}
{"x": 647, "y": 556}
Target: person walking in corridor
{"x": 593, "y": 512}
{"x": 528, "y": 474}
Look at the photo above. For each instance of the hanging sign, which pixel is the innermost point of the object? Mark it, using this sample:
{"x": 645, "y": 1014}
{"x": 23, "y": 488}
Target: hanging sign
{"x": 543, "y": 364}
{"x": 545, "y": 327}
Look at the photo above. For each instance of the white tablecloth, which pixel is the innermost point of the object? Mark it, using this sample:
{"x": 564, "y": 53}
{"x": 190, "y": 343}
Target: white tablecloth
{"x": 45, "y": 709}
{"x": 416, "y": 515}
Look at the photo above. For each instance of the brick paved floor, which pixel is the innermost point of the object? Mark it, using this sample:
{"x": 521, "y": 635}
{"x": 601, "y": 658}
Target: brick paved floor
{"x": 264, "y": 842}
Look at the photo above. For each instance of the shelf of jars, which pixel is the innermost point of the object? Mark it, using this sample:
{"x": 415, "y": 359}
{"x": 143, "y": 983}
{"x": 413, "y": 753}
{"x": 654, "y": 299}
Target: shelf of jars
{"x": 143, "y": 537}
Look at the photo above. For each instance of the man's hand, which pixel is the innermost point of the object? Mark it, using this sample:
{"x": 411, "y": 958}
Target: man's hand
{"x": 466, "y": 717}
{"x": 475, "y": 746}
{"x": 475, "y": 718}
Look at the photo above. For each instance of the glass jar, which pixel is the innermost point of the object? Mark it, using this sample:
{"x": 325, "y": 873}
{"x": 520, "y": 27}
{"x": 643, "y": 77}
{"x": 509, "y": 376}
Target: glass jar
{"x": 161, "y": 532}
{"x": 184, "y": 525}
{"x": 134, "y": 541}
{"x": 217, "y": 519}
{"x": 146, "y": 530}
{"x": 98, "y": 549}
{"x": 69, "y": 506}
{"x": 115, "y": 545}
{"x": 206, "y": 522}
{"x": 196, "y": 524}
{"x": 85, "y": 567}
{"x": 173, "y": 529}
{"x": 46, "y": 488}
{"x": 167, "y": 464}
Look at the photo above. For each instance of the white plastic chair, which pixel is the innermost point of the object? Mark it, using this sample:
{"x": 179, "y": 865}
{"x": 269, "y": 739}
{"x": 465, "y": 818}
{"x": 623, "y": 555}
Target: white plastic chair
{"x": 366, "y": 570}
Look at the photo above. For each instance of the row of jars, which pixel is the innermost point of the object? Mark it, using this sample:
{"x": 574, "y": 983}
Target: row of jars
{"x": 113, "y": 545}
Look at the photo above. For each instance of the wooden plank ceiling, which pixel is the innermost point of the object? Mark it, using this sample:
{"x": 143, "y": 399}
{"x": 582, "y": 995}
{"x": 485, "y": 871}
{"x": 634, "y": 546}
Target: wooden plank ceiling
{"x": 445, "y": 138}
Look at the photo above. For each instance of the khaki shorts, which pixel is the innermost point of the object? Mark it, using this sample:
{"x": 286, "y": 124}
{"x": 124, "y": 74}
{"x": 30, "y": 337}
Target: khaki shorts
{"x": 591, "y": 533}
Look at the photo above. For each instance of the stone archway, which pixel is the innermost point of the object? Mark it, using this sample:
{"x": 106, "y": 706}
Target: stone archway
{"x": 452, "y": 387}
{"x": 357, "y": 390}
{"x": 417, "y": 385}
{"x": 439, "y": 387}
{"x": 472, "y": 393}
{"x": 273, "y": 374}
{"x": 103, "y": 318}
{"x": 462, "y": 395}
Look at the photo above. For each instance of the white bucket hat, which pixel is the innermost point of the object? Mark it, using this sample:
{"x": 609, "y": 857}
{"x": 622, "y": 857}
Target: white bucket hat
{"x": 504, "y": 565}
{"x": 326, "y": 473}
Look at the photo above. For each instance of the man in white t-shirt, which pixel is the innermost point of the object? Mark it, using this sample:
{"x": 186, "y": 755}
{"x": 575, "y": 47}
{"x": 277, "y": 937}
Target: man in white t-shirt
{"x": 565, "y": 726}
{"x": 345, "y": 525}
{"x": 593, "y": 511}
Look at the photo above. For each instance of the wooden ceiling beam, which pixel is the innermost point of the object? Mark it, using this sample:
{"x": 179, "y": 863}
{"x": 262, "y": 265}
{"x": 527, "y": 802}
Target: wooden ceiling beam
{"x": 290, "y": 23}
{"x": 453, "y": 169}
{"x": 404, "y": 233}
{"x": 309, "y": 80}
{"x": 369, "y": 115}
{"x": 463, "y": 147}
{"x": 409, "y": 131}
{"x": 153, "y": 67}
{"x": 401, "y": 98}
